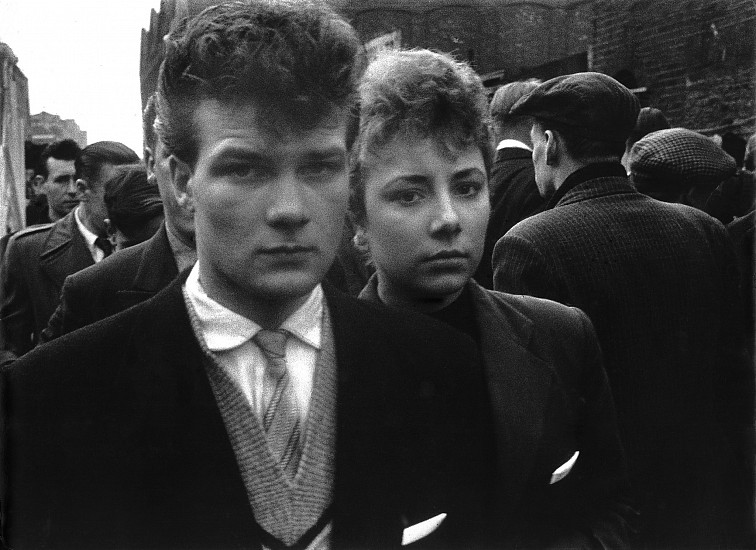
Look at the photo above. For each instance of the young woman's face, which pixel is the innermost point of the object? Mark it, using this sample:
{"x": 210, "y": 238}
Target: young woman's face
{"x": 426, "y": 212}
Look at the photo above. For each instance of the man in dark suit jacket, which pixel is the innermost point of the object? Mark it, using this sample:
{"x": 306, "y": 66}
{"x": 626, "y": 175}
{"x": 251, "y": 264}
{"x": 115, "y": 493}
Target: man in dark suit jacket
{"x": 658, "y": 281}
{"x": 247, "y": 405}
{"x": 514, "y": 195}
{"x": 117, "y": 283}
{"x": 39, "y": 258}
{"x": 135, "y": 273}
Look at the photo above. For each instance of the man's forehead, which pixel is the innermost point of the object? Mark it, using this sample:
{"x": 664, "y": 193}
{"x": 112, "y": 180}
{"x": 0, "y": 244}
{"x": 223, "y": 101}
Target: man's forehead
{"x": 59, "y": 165}
{"x": 263, "y": 118}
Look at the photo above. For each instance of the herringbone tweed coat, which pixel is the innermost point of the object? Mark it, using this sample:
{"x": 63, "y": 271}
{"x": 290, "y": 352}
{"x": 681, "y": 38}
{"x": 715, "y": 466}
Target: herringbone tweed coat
{"x": 658, "y": 282}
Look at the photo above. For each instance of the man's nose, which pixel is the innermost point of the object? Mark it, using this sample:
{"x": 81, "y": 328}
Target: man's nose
{"x": 71, "y": 187}
{"x": 287, "y": 206}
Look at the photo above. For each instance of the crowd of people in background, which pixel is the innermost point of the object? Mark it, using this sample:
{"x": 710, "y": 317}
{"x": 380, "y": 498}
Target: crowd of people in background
{"x": 351, "y": 303}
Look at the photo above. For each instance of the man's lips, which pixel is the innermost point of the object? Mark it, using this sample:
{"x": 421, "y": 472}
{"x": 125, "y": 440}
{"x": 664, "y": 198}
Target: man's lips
{"x": 287, "y": 249}
{"x": 447, "y": 255}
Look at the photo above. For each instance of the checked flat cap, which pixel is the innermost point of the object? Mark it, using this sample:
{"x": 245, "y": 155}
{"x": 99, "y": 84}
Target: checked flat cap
{"x": 678, "y": 156}
{"x": 591, "y": 105}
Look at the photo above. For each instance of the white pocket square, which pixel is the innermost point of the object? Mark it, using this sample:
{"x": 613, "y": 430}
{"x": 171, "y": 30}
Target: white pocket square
{"x": 561, "y": 472}
{"x": 420, "y": 530}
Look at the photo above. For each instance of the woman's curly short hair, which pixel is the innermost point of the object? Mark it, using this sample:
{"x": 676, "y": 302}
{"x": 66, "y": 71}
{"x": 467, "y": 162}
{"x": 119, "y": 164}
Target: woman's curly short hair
{"x": 418, "y": 93}
{"x": 297, "y": 58}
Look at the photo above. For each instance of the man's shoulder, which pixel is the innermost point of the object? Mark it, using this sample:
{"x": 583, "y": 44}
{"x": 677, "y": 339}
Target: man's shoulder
{"x": 32, "y": 234}
{"x": 546, "y": 315}
{"x": 393, "y": 327}
{"x": 114, "y": 271}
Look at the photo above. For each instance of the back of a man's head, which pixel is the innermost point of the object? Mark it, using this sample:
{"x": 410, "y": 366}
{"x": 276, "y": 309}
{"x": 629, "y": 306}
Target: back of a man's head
{"x": 298, "y": 60}
{"x": 94, "y": 156}
{"x": 133, "y": 204}
{"x": 65, "y": 149}
{"x": 502, "y": 102}
{"x": 592, "y": 112}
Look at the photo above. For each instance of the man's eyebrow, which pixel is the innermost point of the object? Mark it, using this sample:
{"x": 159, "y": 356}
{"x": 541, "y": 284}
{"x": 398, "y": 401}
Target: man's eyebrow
{"x": 468, "y": 172}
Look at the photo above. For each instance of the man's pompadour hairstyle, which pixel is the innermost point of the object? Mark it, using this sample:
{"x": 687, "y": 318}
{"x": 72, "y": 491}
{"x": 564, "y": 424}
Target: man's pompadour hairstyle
{"x": 297, "y": 58}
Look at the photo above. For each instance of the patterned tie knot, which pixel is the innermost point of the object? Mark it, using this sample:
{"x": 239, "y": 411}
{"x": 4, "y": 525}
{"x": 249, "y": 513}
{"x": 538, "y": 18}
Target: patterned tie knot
{"x": 104, "y": 244}
{"x": 273, "y": 345}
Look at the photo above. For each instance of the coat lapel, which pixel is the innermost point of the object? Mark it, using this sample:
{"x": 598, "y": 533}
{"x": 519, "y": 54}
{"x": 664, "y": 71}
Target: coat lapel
{"x": 519, "y": 385}
{"x": 188, "y": 432}
{"x": 157, "y": 267}
{"x": 65, "y": 251}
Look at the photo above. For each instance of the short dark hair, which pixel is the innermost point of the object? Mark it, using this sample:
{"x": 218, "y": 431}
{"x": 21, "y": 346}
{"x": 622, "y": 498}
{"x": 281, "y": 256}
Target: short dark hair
{"x": 506, "y": 96}
{"x": 649, "y": 120}
{"x": 149, "y": 134}
{"x": 65, "y": 149}
{"x": 582, "y": 148}
{"x": 130, "y": 199}
{"x": 422, "y": 93}
{"x": 299, "y": 58}
{"x": 94, "y": 156}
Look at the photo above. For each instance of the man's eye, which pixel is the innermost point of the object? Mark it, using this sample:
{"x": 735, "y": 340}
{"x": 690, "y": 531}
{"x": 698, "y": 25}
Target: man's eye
{"x": 324, "y": 168}
{"x": 245, "y": 171}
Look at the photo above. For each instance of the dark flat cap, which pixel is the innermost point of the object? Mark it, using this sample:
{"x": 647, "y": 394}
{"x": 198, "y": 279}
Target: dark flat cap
{"x": 681, "y": 157}
{"x": 592, "y": 105}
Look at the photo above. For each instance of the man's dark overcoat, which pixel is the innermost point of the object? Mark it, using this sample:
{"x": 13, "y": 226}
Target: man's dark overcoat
{"x": 37, "y": 261}
{"x": 514, "y": 197}
{"x": 658, "y": 282}
{"x": 118, "y": 282}
{"x": 113, "y": 438}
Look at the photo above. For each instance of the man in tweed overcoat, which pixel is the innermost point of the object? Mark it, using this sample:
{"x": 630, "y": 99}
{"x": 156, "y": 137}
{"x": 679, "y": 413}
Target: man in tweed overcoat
{"x": 658, "y": 282}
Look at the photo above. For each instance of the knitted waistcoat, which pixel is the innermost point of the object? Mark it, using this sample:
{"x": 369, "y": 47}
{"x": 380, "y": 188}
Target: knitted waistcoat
{"x": 286, "y": 509}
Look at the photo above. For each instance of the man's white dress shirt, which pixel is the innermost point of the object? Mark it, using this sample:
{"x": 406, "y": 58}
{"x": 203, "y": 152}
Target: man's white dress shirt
{"x": 229, "y": 336}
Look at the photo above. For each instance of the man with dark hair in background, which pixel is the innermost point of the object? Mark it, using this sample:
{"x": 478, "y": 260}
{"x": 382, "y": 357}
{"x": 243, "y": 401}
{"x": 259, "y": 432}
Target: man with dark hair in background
{"x": 659, "y": 282}
{"x": 39, "y": 258}
{"x": 139, "y": 272}
{"x": 55, "y": 178}
{"x": 514, "y": 195}
{"x": 247, "y": 405}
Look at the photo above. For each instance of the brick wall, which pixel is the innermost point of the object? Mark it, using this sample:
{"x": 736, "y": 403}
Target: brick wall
{"x": 695, "y": 57}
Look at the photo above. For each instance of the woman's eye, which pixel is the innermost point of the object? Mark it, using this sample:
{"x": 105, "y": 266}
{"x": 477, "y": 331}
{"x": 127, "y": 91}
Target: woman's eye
{"x": 468, "y": 189}
{"x": 408, "y": 197}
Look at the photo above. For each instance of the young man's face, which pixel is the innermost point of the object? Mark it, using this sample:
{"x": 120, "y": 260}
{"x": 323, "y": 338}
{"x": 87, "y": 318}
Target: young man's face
{"x": 269, "y": 205}
{"x": 60, "y": 186}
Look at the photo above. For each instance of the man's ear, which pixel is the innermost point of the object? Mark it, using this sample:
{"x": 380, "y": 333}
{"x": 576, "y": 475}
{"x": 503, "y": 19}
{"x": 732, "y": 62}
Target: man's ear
{"x": 181, "y": 178}
{"x": 37, "y": 181}
{"x": 82, "y": 186}
{"x": 359, "y": 240}
{"x": 149, "y": 163}
{"x": 553, "y": 145}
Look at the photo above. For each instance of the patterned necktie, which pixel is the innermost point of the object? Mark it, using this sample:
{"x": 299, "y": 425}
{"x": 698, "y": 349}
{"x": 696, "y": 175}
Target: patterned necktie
{"x": 104, "y": 244}
{"x": 281, "y": 420}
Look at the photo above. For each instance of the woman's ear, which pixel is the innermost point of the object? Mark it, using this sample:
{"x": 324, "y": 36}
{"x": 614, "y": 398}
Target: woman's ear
{"x": 181, "y": 180}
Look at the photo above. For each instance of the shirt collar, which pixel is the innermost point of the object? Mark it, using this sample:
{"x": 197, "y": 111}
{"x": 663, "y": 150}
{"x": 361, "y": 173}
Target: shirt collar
{"x": 513, "y": 143}
{"x": 89, "y": 237}
{"x": 224, "y": 329}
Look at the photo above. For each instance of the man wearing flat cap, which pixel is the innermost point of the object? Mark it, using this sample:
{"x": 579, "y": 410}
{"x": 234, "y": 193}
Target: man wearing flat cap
{"x": 680, "y": 165}
{"x": 658, "y": 282}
